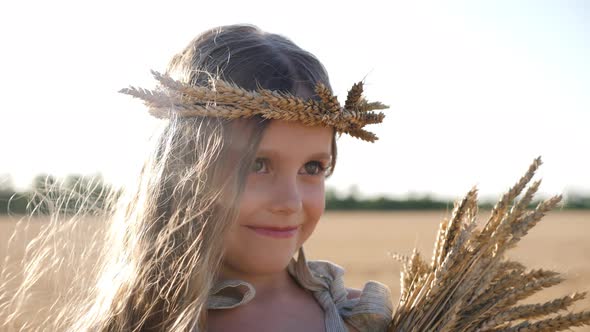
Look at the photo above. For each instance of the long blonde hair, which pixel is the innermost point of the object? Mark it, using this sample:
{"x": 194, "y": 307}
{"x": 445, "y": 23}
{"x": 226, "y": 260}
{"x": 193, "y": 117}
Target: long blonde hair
{"x": 156, "y": 260}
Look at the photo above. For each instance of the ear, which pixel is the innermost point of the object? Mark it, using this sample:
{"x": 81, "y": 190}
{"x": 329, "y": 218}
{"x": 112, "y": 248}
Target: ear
{"x": 353, "y": 293}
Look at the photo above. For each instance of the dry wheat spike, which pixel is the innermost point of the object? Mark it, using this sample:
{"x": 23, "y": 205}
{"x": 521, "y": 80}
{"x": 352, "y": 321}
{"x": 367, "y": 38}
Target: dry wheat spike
{"x": 470, "y": 285}
{"x": 224, "y": 99}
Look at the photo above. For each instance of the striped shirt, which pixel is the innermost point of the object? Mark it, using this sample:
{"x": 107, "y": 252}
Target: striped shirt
{"x": 372, "y": 311}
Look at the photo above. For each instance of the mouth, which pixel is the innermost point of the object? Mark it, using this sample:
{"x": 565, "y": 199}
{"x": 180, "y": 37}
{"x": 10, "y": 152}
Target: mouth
{"x": 276, "y": 232}
{"x": 277, "y": 229}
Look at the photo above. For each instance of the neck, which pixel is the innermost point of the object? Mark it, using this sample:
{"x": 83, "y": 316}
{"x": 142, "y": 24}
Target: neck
{"x": 272, "y": 285}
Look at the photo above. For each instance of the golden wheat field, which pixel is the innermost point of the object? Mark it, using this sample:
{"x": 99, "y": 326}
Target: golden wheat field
{"x": 361, "y": 243}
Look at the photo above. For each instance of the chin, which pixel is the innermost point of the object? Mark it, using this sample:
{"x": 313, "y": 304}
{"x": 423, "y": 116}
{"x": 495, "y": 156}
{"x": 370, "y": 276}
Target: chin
{"x": 269, "y": 262}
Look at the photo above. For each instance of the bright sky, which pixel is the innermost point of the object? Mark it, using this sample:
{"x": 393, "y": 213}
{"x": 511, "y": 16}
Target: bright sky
{"x": 476, "y": 90}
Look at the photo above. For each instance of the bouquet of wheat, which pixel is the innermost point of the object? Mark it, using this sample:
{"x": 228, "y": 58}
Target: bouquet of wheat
{"x": 470, "y": 285}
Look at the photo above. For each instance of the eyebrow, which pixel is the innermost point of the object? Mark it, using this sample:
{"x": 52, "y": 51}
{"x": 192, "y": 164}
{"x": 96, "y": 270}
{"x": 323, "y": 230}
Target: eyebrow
{"x": 317, "y": 155}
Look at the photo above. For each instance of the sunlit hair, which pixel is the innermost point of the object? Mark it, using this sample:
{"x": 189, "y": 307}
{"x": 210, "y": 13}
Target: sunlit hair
{"x": 151, "y": 267}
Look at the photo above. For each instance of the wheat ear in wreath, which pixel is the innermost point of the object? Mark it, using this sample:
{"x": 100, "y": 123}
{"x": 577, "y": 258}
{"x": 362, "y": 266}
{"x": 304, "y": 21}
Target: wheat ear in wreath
{"x": 224, "y": 99}
{"x": 470, "y": 286}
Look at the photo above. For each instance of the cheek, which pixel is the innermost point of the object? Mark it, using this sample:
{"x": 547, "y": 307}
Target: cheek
{"x": 315, "y": 199}
{"x": 314, "y": 204}
{"x": 251, "y": 201}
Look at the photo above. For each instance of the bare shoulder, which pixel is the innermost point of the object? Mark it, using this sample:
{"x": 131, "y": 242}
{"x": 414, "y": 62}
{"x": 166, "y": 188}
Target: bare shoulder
{"x": 353, "y": 293}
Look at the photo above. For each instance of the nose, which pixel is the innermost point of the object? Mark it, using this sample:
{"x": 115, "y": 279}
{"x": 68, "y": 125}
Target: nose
{"x": 285, "y": 197}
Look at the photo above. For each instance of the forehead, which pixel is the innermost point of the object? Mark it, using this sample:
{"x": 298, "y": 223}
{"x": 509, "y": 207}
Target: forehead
{"x": 295, "y": 138}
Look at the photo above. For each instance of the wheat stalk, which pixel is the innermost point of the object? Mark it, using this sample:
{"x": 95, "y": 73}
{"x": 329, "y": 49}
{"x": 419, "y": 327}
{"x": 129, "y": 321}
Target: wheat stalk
{"x": 227, "y": 100}
{"x": 470, "y": 285}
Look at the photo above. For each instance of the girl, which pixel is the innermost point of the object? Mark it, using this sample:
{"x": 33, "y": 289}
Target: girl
{"x": 206, "y": 241}
{"x": 228, "y": 202}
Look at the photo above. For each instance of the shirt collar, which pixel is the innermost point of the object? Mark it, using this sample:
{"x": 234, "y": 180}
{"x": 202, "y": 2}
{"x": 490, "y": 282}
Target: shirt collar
{"x": 230, "y": 293}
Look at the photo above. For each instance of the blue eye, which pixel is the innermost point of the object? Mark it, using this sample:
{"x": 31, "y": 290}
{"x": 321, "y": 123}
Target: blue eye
{"x": 259, "y": 166}
{"x": 314, "y": 168}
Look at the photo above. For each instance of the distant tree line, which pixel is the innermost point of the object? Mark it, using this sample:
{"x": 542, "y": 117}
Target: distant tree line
{"x": 351, "y": 201}
{"x": 78, "y": 193}
{"x": 49, "y": 194}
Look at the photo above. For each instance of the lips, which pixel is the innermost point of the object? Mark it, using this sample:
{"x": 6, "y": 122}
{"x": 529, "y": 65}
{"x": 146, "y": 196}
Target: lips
{"x": 275, "y": 232}
{"x": 276, "y": 229}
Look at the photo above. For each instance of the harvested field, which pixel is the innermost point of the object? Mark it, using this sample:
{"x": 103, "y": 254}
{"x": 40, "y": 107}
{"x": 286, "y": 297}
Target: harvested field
{"x": 360, "y": 242}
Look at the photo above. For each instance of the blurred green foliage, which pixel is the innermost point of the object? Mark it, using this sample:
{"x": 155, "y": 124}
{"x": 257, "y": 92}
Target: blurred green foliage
{"x": 48, "y": 194}
{"x": 89, "y": 194}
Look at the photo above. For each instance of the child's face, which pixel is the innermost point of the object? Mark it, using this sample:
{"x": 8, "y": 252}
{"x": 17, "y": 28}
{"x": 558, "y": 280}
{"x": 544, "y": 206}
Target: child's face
{"x": 285, "y": 188}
